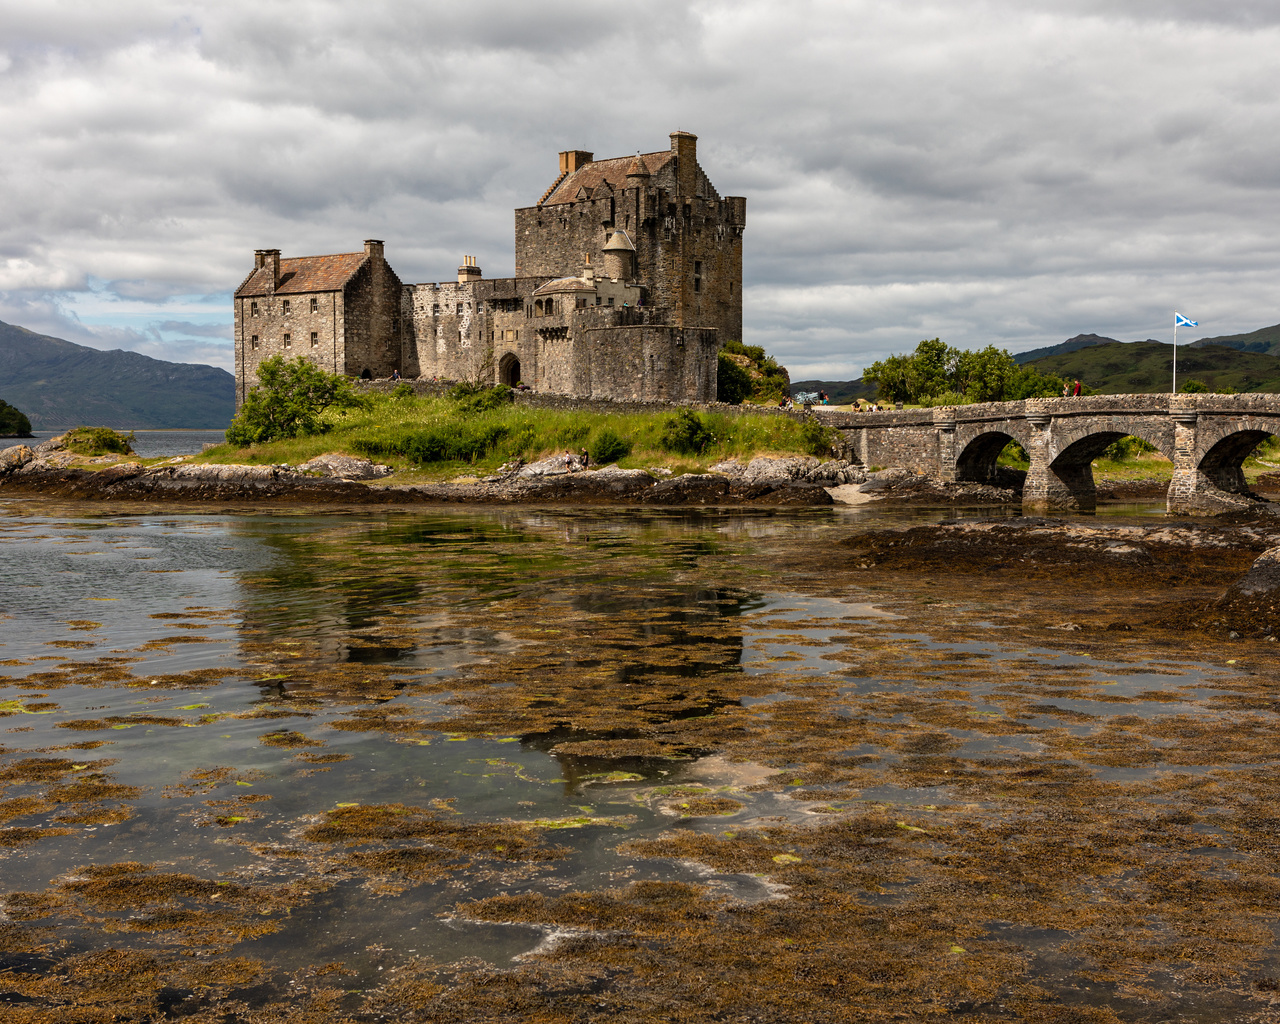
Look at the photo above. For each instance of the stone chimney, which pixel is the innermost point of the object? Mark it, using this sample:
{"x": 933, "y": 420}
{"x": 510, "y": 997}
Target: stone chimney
{"x": 469, "y": 271}
{"x": 572, "y": 159}
{"x": 685, "y": 146}
{"x": 269, "y": 258}
{"x": 373, "y": 247}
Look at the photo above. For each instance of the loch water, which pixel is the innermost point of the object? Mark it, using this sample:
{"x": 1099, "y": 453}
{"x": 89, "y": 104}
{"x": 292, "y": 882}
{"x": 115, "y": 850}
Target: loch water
{"x": 201, "y": 696}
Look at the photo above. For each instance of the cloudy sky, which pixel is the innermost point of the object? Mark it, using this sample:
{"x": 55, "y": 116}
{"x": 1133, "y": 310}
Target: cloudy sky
{"x": 988, "y": 172}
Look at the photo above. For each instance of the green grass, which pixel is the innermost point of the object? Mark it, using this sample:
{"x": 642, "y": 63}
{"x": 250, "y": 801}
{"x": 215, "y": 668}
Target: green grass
{"x": 438, "y": 426}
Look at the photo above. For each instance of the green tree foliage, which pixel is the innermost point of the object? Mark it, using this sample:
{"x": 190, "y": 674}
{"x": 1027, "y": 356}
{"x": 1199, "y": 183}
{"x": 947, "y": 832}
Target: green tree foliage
{"x": 769, "y": 381}
{"x": 1194, "y": 387}
{"x": 685, "y": 433}
{"x": 98, "y": 441}
{"x": 607, "y": 445}
{"x": 12, "y": 422}
{"x": 733, "y": 382}
{"x": 937, "y": 374}
{"x": 1126, "y": 448}
{"x": 290, "y": 396}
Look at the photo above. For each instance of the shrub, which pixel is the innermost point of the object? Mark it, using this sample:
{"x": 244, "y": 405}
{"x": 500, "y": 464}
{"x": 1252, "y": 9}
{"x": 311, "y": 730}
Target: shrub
{"x": 98, "y": 441}
{"x": 607, "y": 445}
{"x": 473, "y": 398}
{"x": 453, "y": 442}
{"x": 1194, "y": 387}
{"x": 288, "y": 400}
{"x": 685, "y": 433}
{"x": 816, "y": 438}
{"x": 733, "y": 383}
{"x": 402, "y": 391}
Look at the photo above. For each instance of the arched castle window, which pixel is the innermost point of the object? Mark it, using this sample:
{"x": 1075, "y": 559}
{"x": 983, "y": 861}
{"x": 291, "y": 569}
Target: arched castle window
{"x": 537, "y": 308}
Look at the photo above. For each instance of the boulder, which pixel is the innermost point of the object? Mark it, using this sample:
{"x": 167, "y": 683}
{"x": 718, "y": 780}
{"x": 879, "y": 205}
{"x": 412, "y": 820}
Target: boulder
{"x": 54, "y": 444}
{"x": 15, "y": 458}
{"x": 1252, "y": 603}
{"x": 345, "y": 467}
{"x": 835, "y": 473}
{"x": 692, "y": 488}
{"x": 554, "y": 465}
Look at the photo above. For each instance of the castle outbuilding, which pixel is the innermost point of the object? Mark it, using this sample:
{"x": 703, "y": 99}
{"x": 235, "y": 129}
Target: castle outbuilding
{"x": 628, "y": 281}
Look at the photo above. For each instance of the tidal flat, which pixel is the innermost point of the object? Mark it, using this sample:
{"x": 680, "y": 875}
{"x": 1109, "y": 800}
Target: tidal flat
{"x": 585, "y": 764}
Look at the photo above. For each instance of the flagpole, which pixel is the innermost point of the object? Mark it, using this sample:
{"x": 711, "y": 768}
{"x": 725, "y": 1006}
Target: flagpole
{"x": 1175, "y": 352}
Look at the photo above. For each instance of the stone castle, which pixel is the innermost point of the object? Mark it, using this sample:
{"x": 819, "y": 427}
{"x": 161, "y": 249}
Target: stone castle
{"x": 628, "y": 280}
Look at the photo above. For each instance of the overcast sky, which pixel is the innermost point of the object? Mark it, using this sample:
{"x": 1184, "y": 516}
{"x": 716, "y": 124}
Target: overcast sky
{"x": 1009, "y": 173}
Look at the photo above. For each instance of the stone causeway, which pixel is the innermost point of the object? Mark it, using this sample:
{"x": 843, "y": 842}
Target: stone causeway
{"x": 1206, "y": 437}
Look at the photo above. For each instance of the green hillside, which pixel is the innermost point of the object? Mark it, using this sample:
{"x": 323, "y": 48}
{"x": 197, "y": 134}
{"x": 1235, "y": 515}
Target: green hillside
{"x": 1266, "y": 340}
{"x": 60, "y": 384}
{"x": 1146, "y": 367}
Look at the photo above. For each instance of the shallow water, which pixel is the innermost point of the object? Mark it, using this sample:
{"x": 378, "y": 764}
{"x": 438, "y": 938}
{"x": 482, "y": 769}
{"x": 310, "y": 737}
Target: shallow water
{"x": 526, "y": 698}
{"x": 150, "y": 444}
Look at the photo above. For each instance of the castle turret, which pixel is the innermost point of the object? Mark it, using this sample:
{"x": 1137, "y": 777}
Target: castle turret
{"x": 637, "y": 173}
{"x": 620, "y": 257}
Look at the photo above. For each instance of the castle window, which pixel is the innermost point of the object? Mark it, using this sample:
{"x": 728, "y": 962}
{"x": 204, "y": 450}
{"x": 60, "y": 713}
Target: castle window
{"x": 697, "y": 268}
{"x": 435, "y": 309}
{"x": 315, "y": 339}
{"x": 730, "y": 287}
{"x": 284, "y": 307}
{"x": 611, "y": 300}
{"x": 598, "y": 300}
{"x": 288, "y": 341}
{"x": 253, "y": 342}
{"x": 253, "y": 309}
{"x": 479, "y": 307}
{"x": 459, "y": 307}
{"x": 315, "y": 305}
{"x": 537, "y": 308}
{"x": 551, "y": 306}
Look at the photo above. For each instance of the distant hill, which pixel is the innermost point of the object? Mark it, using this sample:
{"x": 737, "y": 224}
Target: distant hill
{"x": 1140, "y": 367}
{"x": 1266, "y": 340}
{"x": 1070, "y": 345}
{"x": 60, "y": 384}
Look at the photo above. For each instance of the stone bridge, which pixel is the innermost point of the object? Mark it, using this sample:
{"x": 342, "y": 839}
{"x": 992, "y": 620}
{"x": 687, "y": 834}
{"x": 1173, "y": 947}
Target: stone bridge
{"x": 1206, "y": 437}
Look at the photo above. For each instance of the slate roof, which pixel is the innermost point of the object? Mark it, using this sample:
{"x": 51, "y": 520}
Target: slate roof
{"x": 561, "y": 285}
{"x": 590, "y": 177}
{"x": 302, "y": 274}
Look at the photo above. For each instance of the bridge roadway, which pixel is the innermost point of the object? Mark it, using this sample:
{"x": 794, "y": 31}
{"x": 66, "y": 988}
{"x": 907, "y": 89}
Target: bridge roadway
{"x": 1206, "y": 437}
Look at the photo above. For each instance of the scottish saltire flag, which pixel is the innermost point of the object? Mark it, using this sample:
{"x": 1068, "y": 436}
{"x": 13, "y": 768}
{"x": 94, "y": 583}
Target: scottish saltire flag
{"x": 1181, "y": 321}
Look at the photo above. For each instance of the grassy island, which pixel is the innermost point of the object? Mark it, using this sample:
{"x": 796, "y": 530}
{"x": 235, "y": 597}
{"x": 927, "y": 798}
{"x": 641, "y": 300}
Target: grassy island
{"x": 474, "y": 432}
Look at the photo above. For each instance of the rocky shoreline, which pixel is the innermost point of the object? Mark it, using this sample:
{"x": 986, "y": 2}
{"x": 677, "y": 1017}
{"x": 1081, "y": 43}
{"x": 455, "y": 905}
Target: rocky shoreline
{"x": 336, "y": 479}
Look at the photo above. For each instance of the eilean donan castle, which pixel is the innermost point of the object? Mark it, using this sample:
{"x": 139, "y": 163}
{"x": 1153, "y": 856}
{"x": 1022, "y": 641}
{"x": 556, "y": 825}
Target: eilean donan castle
{"x": 628, "y": 280}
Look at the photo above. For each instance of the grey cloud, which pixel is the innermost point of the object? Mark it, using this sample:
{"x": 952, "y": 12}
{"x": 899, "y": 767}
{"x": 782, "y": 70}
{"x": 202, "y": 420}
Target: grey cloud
{"x": 988, "y": 171}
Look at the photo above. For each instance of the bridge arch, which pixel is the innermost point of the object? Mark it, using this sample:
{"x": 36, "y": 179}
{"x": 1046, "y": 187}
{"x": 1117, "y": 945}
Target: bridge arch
{"x": 976, "y": 462}
{"x": 1222, "y": 465}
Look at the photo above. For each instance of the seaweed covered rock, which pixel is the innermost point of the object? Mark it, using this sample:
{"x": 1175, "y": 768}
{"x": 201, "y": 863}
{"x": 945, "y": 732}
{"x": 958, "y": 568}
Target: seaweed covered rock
{"x": 1252, "y": 603}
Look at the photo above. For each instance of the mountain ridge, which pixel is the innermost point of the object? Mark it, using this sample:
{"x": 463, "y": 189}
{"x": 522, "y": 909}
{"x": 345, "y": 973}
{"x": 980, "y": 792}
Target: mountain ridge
{"x": 58, "y": 383}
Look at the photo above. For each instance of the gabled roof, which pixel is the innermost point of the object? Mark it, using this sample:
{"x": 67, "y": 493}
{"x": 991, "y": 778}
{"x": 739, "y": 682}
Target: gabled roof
{"x": 302, "y": 274}
{"x": 561, "y": 285}
{"x": 599, "y": 172}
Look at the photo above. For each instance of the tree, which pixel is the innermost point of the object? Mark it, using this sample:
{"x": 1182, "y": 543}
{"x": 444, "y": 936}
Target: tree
{"x": 290, "y": 396}
{"x": 895, "y": 378}
{"x": 733, "y": 383}
{"x": 1194, "y": 387}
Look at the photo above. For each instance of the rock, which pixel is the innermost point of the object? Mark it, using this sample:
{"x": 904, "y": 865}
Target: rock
{"x": 15, "y": 458}
{"x": 763, "y": 469}
{"x": 692, "y": 488}
{"x": 345, "y": 467}
{"x": 1252, "y": 603}
{"x": 555, "y": 465}
{"x": 836, "y": 473}
{"x": 892, "y": 480}
{"x": 608, "y": 484}
{"x": 54, "y": 444}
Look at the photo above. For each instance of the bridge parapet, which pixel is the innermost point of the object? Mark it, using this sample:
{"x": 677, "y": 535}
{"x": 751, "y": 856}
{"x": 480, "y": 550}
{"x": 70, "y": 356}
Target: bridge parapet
{"x": 1206, "y": 437}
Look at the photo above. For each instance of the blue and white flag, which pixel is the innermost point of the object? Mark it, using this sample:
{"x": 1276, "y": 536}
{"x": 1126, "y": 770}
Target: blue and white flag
{"x": 1181, "y": 321}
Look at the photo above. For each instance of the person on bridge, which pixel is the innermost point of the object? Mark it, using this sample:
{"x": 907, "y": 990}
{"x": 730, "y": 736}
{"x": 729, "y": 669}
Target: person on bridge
{"x": 1076, "y": 390}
